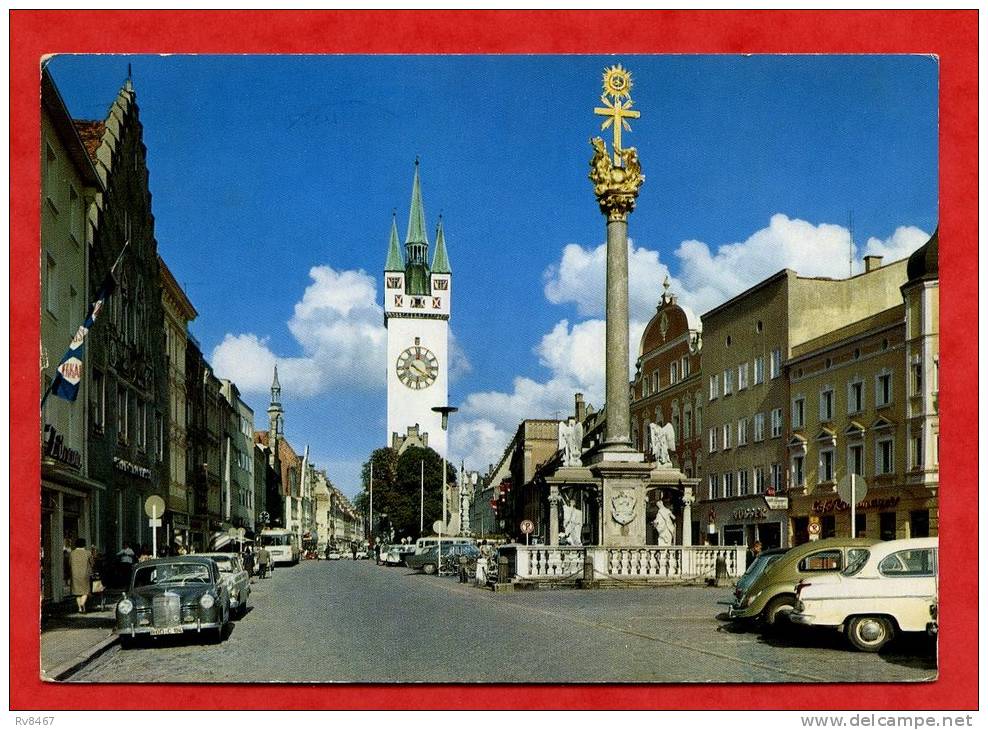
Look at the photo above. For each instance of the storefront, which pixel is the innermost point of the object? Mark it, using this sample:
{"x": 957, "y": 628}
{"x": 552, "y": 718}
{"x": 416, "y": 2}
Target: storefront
{"x": 746, "y": 520}
{"x": 68, "y": 511}
{"x": 886, "y": 513}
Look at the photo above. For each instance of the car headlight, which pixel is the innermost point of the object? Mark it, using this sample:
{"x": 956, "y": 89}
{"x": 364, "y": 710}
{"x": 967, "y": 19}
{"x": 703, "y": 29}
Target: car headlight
{"x": 207, "y": 600}
{"x": 125, "y": 606}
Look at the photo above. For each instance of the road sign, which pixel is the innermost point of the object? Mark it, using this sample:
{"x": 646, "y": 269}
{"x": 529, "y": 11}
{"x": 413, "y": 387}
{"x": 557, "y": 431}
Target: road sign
{"x": 154, "y": 523}
{"x": 860, "y": 488}
{"x": 814, "y": 528}
{"x": 241, "y": 532}
{"x": 527, "y": 527}
{"x": 437, "y": 526}
{"x": 154, "y": 506}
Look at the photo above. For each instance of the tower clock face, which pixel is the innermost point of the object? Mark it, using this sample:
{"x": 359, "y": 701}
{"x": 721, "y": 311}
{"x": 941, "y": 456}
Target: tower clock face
{"x": 417, "y": 367}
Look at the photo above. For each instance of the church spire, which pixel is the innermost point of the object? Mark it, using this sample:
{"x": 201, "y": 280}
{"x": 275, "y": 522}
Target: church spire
{"x": 440, "y": 260}
{"x": 275, "y": 389}
{"x": 416, "y": 243}
{"x": 394, "y": 262}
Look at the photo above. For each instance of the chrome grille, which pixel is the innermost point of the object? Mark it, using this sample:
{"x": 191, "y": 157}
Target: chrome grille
{"x": 165, "y": 610}
{"x": 189, "y": 613}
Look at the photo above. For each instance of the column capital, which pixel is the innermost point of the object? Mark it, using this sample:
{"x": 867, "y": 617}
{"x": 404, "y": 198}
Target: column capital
{"x": 616, "y": 187}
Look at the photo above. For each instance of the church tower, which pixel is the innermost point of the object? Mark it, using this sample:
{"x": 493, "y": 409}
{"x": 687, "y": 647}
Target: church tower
{"x": 276, "y": 416}
{"x": 416, "y": 315}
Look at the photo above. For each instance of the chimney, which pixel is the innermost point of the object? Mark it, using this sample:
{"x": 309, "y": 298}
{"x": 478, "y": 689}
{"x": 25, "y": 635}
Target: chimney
{"x": 872, "y": 263}
{"x": 581, "y": 408}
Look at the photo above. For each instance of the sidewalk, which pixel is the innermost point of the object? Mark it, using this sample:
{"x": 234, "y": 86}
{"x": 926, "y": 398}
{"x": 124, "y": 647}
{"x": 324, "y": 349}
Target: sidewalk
{"x": 70, "y": 639}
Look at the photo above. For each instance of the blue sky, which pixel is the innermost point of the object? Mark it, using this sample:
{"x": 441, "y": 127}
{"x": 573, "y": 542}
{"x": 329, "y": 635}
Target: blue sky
{"x": 274, "y": 179}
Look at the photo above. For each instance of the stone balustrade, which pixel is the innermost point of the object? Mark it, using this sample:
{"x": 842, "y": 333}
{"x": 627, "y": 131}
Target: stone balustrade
{"x": 645, "y": 562}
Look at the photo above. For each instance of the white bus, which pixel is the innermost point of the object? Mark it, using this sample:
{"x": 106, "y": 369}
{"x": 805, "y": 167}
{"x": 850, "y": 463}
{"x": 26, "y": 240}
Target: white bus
{"x": 281, "y": 544}
{"x": 424, "y": 543}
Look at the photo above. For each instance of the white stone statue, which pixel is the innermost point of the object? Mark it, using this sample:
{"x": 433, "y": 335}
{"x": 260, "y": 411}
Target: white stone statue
{"x": 663, "y": 440}
{"x": 665, "y": 525}
{"x": 571, "y": 442}
{"x": 572, "y": 522}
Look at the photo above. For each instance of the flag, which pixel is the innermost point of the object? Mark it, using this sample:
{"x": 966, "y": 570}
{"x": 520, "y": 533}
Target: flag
{"x": 69, "y": 371}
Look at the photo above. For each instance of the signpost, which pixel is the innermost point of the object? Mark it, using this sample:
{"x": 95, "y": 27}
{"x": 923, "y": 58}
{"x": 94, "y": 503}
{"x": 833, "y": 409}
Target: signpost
{"x": 814, "y": 527}
{"x": 154, "y": 508}
{"x": 852, "y": 489}
{"x": 527, "y": 528}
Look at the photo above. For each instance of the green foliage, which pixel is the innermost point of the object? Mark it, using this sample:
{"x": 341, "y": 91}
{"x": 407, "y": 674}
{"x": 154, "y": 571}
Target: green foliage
{"x": 397, "y": 489}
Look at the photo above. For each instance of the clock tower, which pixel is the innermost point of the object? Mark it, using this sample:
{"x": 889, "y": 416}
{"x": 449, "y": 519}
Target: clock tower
{"x": 416, "y": 315}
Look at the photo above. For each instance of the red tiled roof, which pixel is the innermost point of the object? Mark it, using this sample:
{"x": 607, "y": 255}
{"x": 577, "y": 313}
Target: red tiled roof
{"x": 91, "y": 133}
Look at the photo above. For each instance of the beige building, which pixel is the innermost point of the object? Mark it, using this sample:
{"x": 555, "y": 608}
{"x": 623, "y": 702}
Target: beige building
{"x": 864, "y": 402}
{"x": 747, "y": 342}
{"x": 69, "y": 185}
{"x": 178, "y": 313}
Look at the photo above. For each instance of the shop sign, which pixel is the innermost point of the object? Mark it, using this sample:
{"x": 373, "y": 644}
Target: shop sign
{"x": 130, "y": 468}
{"x": 777, "y": 502}
{"x": 825, "y": 506}
{"x": 55, "y": 448}
{"x": 749, "y": 513}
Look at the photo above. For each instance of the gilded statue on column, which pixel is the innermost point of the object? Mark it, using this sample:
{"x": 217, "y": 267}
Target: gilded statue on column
{"x": 616, "y": 181}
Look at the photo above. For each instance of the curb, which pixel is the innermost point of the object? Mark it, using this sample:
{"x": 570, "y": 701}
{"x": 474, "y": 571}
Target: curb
{"x": 65, "y": 669}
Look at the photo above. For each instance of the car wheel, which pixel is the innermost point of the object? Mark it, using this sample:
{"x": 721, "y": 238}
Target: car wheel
{"x": 429, "y": 568}
{"x": 776, "y": 613}
{"x": 869, "y": 633}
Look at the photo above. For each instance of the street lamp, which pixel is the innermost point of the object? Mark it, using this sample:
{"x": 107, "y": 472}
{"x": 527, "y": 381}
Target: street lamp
{"x": 445, "y": 411}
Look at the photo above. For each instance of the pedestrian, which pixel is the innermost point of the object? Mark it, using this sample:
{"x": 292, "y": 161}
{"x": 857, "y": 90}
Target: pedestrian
{"x": 125, "y": 563}
{"x": 263, "y": 558}
{"x": 753, "y": 552}
{"x": 249, "y": 561}
{"x": 353, "y": 547}
{"x": 81, "y": 569}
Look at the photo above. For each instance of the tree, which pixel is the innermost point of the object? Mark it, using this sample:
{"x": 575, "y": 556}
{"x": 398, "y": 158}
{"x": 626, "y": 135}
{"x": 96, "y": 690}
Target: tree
{"x": 397, "y": 488}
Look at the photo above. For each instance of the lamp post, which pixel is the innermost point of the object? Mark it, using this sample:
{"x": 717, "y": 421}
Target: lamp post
{"x": 445, "y": 411}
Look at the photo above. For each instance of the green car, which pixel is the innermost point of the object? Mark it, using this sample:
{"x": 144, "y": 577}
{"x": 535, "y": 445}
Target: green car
{"x": 772, "y": 595}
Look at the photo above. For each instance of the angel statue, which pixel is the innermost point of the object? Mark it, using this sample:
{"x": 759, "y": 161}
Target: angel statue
{"x": 665, "y": 525}
{"x": 571, "y": 442}
{"x": 663, "y": 439}
{"x": 572, "y": 521}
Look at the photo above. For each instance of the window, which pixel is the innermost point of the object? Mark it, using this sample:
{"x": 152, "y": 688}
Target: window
{"x": 798, "y": 412}
{"x": 645, "y": 387}
{"x": 759, "y": 480}
{"x": 775, "y": 366}
{"x": 75, "y": 215}
{"x": 713, "y": 440}
{"x": 919, "y": 523}
{"x": 884, "y": 456}
{"x": 684, "y": 367}
{"x": 729, "y": 484}
{"x": 860, "y": 525}
{"x": 726, "y": 436}
{"x": 855, "y": 459}
{"x": 159, "y": 436}
{"x": 123, "y": 406}
{"x": 798, "y": 474}
{"x": 759, "y": 427}
{"x": 743, "y": 370}
{"x": 759, "y": 369}
{"x": 714, "y": 387}
{"x": 908, "y": 563}
{"x": 855, "y": 397}
{"x": 673, "y": 371}
{"x": 728, "y": 381}
{"x": 828, "y": 526}
{"x": 742, "y": 431}
{"x": 51, "y": 286}
{"x": 142, "y": 425}
{"x": 827, "y": 404}
{"x": 713, "y": 486}
{"x": 825, "y": 560}
{"x": 50, "y": 175}
{"x": 917, "y": 447}
{"x": 886, "y": 526}
{"x": 655, "y": 382}
{"x": 918, "y": 378}
{"x": 698, "y": 428}
{"x": 687, "y": 424}
{"x": 826, "y": 465}
{"x": 775, "y": 475}
{"x": 883, "y": 389}
{"x": 776, "y": 422}
{"x": 742, "y": 482}
{"x": 98, "y": 400}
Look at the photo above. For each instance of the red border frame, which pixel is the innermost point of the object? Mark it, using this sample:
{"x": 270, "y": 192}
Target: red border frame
{"x": 951, "y": 35}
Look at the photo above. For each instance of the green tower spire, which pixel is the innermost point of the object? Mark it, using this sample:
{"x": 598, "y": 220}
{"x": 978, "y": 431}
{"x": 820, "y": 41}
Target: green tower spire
{"x": 440, "y": 260}
{"x": 394, "y": 262}
{"x": 416, "y": 243}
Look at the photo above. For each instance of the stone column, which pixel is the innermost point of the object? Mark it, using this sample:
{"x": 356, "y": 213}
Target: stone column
{"x": 618, "y": 430}
{"x": 554, "y": 499}
{"x": 687, "y": 518}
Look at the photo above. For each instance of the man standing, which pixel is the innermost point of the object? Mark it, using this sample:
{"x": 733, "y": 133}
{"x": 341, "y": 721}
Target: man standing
{"x": 263, "y": 559}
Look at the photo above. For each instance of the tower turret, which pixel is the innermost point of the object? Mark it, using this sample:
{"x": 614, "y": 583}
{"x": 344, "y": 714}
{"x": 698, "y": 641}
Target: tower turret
{"x": 275, "y": 413}
{"x": 416, "y": 243}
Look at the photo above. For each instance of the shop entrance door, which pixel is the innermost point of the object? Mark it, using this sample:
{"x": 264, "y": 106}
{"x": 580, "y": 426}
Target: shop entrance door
{"x": 770, "y": 535}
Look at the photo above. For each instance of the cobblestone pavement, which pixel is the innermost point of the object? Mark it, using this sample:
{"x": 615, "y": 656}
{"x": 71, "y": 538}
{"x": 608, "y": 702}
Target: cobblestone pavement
{"x": 347, "y": 621}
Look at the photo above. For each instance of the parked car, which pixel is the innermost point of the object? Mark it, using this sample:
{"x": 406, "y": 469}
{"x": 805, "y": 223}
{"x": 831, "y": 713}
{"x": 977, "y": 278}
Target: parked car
{"x": 772, "y": 595}
{"x": 235, "y": 577}
{"x": 333, "y": 555}
{"x": 361, "y": 555}
{"x": 890, "y": 588}
{"x": 396, "y": 554}
{"x": 172, "y": 596}
{"x": 758, "y": 566}
{"x": 428, "y": 562}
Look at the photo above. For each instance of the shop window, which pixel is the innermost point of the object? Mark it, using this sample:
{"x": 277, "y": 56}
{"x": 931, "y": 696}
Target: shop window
{"x": 919, "y": 523}
{"x": 734, "y": 534}
{"x": 860, "y": 524}
{"x": 886, "y": 526}
{"x": 828, "y": 526}
{"x": 800, "y": 530}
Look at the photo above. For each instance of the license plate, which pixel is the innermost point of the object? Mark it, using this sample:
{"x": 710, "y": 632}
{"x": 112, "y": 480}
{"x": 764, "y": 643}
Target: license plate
{"x": 158, "y": 631}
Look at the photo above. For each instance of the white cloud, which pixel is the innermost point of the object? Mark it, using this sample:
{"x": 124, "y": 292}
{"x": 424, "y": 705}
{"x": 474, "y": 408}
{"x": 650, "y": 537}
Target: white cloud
{"x": 339, "y": 326}
{"x": 478, "y": 443}
{"x": 573, "y": 353}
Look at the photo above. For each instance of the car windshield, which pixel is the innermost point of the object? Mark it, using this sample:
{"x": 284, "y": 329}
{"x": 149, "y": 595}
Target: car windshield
{"x": 171, "y": 574}
{"x": 757, "y": 569}
{"x": 856, "y": 560}
{"x": 275, "y": 540}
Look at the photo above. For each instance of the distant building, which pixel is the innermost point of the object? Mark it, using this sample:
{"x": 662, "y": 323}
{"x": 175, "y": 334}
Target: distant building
{"x": 239, "y": 463}
{"x": 70, "y": 500}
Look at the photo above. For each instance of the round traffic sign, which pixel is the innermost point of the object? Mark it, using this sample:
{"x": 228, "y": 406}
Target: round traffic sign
{"x": 437, "y": 526}
{"x": 154, "y": 506}
{"x": 814, "y": 528}
{"x": 860, "y": 488}
{"x": 527, "y": 527}
{"x": 241, "y": 532}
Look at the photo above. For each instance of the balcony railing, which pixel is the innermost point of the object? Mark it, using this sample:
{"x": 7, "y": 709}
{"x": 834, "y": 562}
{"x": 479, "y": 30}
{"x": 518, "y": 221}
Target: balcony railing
{"x": 647, "y": 562}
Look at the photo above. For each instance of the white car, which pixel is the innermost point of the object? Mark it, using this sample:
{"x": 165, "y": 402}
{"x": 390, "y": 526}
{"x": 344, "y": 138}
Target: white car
{"x": 234, "y": 576}
{"x": 891, "y": 587}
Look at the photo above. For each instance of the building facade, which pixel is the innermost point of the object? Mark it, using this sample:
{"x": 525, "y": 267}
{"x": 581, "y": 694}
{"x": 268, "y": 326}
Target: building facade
{"x": 417, "y": 301}
{"x": 70, "y": 500}
{"x": 239, "y": 465}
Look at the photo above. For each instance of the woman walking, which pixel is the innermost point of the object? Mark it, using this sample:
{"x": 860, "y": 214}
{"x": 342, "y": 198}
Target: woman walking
{"x": 81, "y": 568}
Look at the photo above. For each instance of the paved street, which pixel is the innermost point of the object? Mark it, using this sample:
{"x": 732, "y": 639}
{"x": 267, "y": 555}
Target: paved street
{"x": 351, "y": 621}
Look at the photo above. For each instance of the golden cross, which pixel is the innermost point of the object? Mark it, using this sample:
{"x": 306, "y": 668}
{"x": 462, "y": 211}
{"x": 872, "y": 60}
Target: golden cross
{"x": 616, "y": 113}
